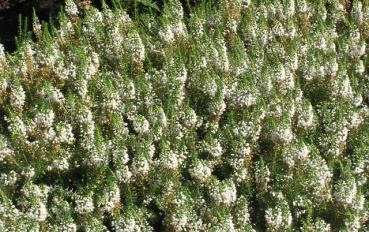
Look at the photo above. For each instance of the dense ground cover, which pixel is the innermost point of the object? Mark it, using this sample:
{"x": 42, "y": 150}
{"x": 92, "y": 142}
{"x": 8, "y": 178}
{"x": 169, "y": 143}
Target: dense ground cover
{"x": 230, "y": 115}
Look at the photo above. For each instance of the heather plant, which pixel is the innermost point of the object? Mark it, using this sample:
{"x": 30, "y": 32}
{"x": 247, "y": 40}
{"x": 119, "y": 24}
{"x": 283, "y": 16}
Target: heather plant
{"x": 230, "y": 115}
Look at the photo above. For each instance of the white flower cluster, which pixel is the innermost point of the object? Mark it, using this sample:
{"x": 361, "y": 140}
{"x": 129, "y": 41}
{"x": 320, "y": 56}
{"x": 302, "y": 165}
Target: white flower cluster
{"x": 131, "y": 222}
{"x": 84, "y": 204}
{"x": 224, "y": 193}
{"x": 296, "y": 153}
{"x": 199, "y": 116}
{"x": 278, "y": 218}
{"x": 71, "y": 8}
{"x": 200, "y": 171}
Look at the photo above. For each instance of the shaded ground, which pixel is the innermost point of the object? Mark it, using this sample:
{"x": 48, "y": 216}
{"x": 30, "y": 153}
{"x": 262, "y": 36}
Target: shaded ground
{"x": 9, "y": 17}
{"x": 10, "y": 10}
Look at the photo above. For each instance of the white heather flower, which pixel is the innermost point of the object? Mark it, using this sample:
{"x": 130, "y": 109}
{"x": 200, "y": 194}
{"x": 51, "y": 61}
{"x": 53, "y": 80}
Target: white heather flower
{"x": 66, "y": 29}
{"x": 190, "y": 117}
{"x": 129, "y": 91}
{"x": 217, "y": 107}
{"x": 303, "y": 6}
{"x": 226, "y": 224}
{"x": 115, "y": 195}
{"x": 170, "y": 160}
{"x": 353, "y": 224}
{"x": 262, "y": 175}
{"x": 131, "y": 222}
{"x": 282, "y": 134}
{"x": 111, "y": 198}
{"x": 112, "y": 103}
{"x": 60, "y": 164}
{"x": 232, "y": 26}
{"x": 321, "y": 225}
{"x": 345, "y": 192}
{"x": 71, "y": 8}
{"x": 28, "y": 172}
{"x": 242, "y": 129}
{"x": 64, "y": 134}
{"x": 31, "y": 190}
{"x": 179, "y": 221}
{"x": 87, "y": 126}
{"x": 291, "y": 8}
{"x": 278, "y": 29}
{"x": 224, "y": 193}
{"x": 355, "y": 120}
{"x": 82, "y": 88}
{"x": 242, "y": 214}
{"x": 200, "y": 171}
{"x": 123, "y": 174}
{"x": 17, "y": 126}
{"x": 52, "y": 94}
{"x": 42, "y": 212}
{"x": 140, "y": 166}
{"x": 361, "y": 49}
{"x": 342, "y": 135}
{"x": 298, "y": 152}
{"x": 360, "y": 69}
{"x": 97, "y": 156}
{"x": 179, "y": 29}
{"x": 333, "y": 67}
{"x": 150, "y": 150}
{"x": 94, "y": 64}
{"x": 17, "y": 96}
{"x": 88, "y": 136}
{"x": 37, "y": 29}
{"x": 117, "y": 38}
{"x": 305, "y": 118}
{"x": 176, "y": 130}
{"x": 120, "y": 155}
{"x": 280, "y": 74}
{"x": 278, "y": 218}
{"x": 44, "y": 119}
{"x": 176, "y": 10}
{"x": 140, "y": 124}
{"x": 358, "y": 203}
{"x": 37, "y": 211}
{"x": 50, "y": 134}
{"x": 222, "y": 62}
{"x": 318, "y": 177}
{"x": 136, "y": 47}
{"x": 242, "y": 96}
{"x": 210, "y": 88}
{"x": 9, "y": 179}
{"x": 84, "y": 204}
{"x": 214, "y": 148}
{"x": 167, "y": 35}
{"x": 5, "y": 150}
{"x": 240, "y": 172}
{"x": 242, "y": 149}
{"x": 66, "y": 227}
{"x": 198, "y": 25}
{"x": 2, "y": 53}
{"x": 321, "y": 43}
{"x": 357, "y": 11}
{"x": 294, "y": 62}
{"x": 3, "y": 84}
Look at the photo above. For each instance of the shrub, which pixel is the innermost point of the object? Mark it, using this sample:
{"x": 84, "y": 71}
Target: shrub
{"x": 208, "y": 116}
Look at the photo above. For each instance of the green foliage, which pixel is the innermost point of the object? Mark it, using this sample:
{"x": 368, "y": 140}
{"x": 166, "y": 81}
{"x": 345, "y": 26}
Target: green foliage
{"x": 239, "y": 116}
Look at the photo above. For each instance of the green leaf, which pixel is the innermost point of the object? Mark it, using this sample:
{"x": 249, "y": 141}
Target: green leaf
{"x": 149, "y": 3}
